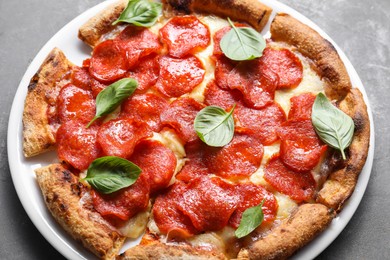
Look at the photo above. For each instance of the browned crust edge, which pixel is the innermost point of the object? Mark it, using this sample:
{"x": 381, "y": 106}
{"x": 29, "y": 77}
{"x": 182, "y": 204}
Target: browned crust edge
{"x": 98, "y": 25}
{"x": 158, "y": 250}
{"x": 252, "y": 12}
{"x": 311, "y": 44}
{"x": 62, "y": 192}
{"x": 37, "y": 134}
{"x": 303, "y": 226}
{"x": 342, "y": 181}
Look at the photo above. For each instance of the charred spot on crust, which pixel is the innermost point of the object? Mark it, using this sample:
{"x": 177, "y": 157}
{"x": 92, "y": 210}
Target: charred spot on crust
{"x": 181, "y": 5}
{"x": 261, "y": 17}
{"x": 76, "y": 189}
{"x": 33, "y": 82}
{"x": 359, "y": 122}
{"x": 63, "y": 207}
{"x": 67, "y": 176}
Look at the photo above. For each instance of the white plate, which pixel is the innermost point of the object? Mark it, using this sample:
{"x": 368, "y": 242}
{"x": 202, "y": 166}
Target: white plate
{"x": 76, "y": 51}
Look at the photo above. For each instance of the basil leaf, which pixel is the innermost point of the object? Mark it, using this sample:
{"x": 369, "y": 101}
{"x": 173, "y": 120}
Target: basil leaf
{"x": 332, "y": 125}
{"x": 251, "y": 219}
{"x": 142, "y": 13}
{"x": 242, "y": 43}
{"x": 109, "y": 174}
{"x": 112, "y": 96}
{"x": 215, "y": 126}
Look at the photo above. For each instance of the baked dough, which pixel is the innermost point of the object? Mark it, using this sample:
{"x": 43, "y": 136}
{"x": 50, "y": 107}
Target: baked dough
{"x": 38, "y": 137}
{"x": 62, "y": 194}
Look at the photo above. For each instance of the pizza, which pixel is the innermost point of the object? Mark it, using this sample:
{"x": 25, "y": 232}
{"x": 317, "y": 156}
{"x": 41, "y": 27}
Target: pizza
{"x": 189, "y": 129}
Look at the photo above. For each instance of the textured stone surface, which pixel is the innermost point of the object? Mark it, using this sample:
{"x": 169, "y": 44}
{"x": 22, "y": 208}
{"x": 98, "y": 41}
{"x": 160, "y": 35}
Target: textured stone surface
{"x": 359, "y": 27}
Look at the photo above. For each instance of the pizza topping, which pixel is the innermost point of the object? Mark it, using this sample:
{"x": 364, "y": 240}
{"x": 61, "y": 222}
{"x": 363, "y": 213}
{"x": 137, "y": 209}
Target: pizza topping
{"x": 215, "y": 126}
{"x": 140, "y": 13}
{"x": 209, "y": 203}
{"x": 251, "y": 219}
{"x": 125, "y": 203}
{"x": 137, "y": 43}
{"x": 81, "y": 78}
{"x": 179, "y": 76}
{"x": 299, "y": 186}
{"x": 250, "y": 196}
{"x": 218, "y": 37}
{"x": 96, "y": 87}
{"x": 195, "y": 166}
{"x": 75, "y": 103}
{"x": 169, "y": 219}
{"x": 242, "y": 43}
{"x": 240, "y": 158}
{"x": 118, "y": 137}
{"x": 263, "y": 122}
{"x": 185, "y": 35}
{"x": 180, "y": 115}
{"x": 215, "y": 96}
{"x": 332, "y": 125}
{"x": 77, "y": 145}
{"x": 146, "y": 72}
{"x": 156, "y": 161}
{"x": 285, "y": 64}
{"x": 146, "y": 108}
{"x": 112, "y": 97}
{"x": 301, "y": 106}
{"x": 109, "y": 174}
{"x": 300, "y": 147}
{"x": 108, "y": 62}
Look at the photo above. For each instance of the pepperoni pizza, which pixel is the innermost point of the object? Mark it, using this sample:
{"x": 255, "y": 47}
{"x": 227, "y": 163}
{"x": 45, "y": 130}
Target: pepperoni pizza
{"x": 185, "y": 197}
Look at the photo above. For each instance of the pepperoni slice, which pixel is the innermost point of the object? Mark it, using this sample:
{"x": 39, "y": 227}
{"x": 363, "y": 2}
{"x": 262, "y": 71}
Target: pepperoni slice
{"x": 125, "y": 203}
{"x": 108, "y": 62}
{"x": 195, "y": 166}
{"x": 252, "y": 195}
{"x": 223, "y": 67}
{"x": 180, "y": 115}
{"x": 75, "y": 103}
{"x": 137, "y": 42}
{"x": 256, "y": 84}
{"x": 209, "y": 203}
{"x": 146, "y": 73}
{"x": 169, "y": 219}
{"x": 118, "y": 137}
{"x": 146, "y": 108}
{"x": 263, "y": 122}
{"x": 300, "y": 147}
{"x": 156, "y": 161}
{"x": 301, "y": 106}
{"x": 81, "y": 78}
{"x": 240, "y": 158}
{"x": 213, "y": 95}
{"x": 77, "y": 144}
{"x": 179, "y": 76}
{"x": 185, "y": 35}
{"x": 96, "y": 87}
{"x": 299, "y": 186}
{"x": 285, "y": 64}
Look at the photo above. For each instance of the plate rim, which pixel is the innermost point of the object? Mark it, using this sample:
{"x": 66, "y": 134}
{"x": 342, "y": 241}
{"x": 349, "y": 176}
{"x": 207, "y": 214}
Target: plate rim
{"x": 61, "y": 241}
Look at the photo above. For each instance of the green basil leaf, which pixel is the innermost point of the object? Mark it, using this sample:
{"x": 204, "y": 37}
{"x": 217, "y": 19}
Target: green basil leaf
{"x": 112, "y": 97}
{"x": 109, "y": 174}
{"x": 332, "y": 125}
{"x": 242, "y": 43}
{"x": 251, "y": 219}
{"x": 215, "y": 126}
{"x": 142, "y": 13}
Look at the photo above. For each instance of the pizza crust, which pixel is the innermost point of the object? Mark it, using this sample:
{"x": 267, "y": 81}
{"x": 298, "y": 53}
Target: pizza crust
{"x": 157, "y": 250}
{"x": 38, "y": 136}
{"x": 98, "y": 25}
{"x": 342, "y": 181}
{"x": 62, "y": 194}
{"x": 303, "y": 226}
{"x": 252, "y": 12}
{"x": 285, "y": 28}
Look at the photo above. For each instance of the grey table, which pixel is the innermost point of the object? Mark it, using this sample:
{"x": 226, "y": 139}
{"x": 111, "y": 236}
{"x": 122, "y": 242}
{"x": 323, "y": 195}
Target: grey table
{"x": 362, "y": 30}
